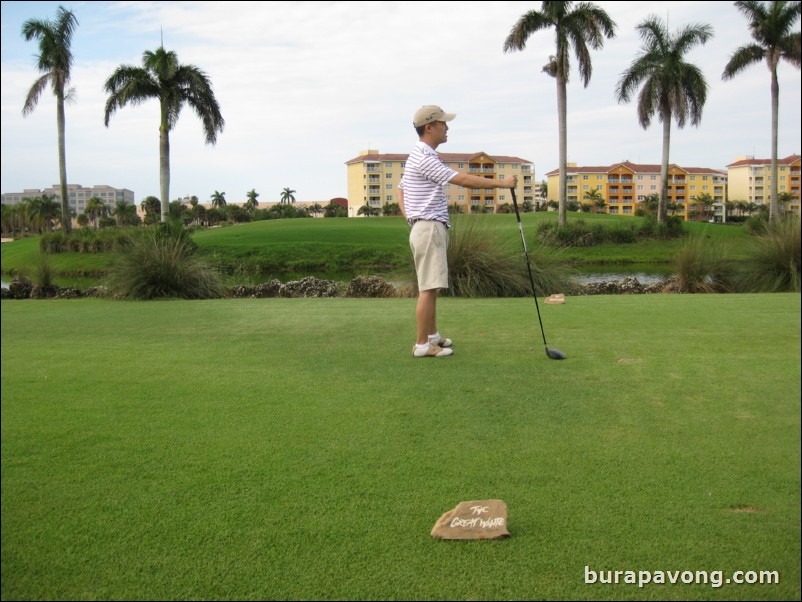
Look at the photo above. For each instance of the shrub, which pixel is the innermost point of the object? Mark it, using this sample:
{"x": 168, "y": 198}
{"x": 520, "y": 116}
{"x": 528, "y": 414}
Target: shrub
{"x": 479, "y": 265}
{"x": 773, "y": 263}
{"x": 701, "y": 268}
{"x": 44, "y": 272}
{"x": 162, "y": 263}
{"x": 575, "y": 233}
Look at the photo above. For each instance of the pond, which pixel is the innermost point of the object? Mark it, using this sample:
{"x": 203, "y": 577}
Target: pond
{"x": 586, "y": 274}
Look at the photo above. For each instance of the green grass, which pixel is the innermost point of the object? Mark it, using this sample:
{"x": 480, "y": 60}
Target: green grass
{"x": 374, "y": 244}
{"x": 293, "y": 448}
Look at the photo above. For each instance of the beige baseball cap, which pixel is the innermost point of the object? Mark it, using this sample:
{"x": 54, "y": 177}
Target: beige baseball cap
{"x": 430, "y": 114}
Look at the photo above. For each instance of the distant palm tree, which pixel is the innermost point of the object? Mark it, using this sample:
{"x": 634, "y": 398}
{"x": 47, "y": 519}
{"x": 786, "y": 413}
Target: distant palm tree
{"x": 152, "y": 208}
{"x": 587, "y": 24}
{"x": 367, "y": 210}
{"x": 95, "y": 209}
{"x": 596, "y": 199}
{"x": 706, "y": 201}
{"x": 252, "y": 203}
{"x": 287, "y": 196}
{"x": 125, "y": 213}
{"x": 173, "y": 84}
{"x": 43, "y": 210}
{"x": 672, "y": 87}
{"x": 218, "y": 200}
{"x": 55, "y": 62}
{"x": 770, "y": 24}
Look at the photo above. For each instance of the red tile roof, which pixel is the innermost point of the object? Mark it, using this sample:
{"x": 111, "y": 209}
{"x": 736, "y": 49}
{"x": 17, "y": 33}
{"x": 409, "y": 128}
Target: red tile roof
{"x": 445, "y": 157}
{"x": 787, "y": 161}
{"x": 634, "y": 167}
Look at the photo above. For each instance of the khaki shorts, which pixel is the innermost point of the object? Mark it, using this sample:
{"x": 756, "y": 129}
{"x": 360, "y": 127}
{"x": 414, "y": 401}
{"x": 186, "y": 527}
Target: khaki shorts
{"x": 429, "y": 241}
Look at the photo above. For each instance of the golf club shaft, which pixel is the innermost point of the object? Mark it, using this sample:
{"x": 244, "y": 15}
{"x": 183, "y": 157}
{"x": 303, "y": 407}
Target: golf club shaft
{"x": 528, "y": 267}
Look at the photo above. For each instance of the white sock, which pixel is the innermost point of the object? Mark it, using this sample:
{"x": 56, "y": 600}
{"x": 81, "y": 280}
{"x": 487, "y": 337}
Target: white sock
{"x": 423, "y": 346}
{"x": 435, "y": 336}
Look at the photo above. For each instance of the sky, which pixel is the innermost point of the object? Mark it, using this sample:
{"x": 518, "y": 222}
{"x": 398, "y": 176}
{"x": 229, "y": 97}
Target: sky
{"x": 306, "y": 86}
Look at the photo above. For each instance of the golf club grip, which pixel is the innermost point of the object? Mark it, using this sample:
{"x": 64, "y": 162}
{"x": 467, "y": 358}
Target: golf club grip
{"x": 515, "y": 204}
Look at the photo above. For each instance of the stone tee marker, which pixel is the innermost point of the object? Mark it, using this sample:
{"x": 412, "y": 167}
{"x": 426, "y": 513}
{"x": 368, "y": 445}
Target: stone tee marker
{"x": 482, "y": 519}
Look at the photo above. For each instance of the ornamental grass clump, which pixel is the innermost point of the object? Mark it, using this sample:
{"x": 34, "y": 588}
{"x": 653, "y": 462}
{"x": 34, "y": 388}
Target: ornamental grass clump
{"x": 774, "y": 260}
{"x": 481, "y": 264}
{"x": 701, "y": 267}
{"x": 162, "y": 263}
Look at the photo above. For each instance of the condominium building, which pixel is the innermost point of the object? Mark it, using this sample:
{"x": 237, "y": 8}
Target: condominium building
{"x": 373, "y": 178}
{"x": 624, "y": 186}
{"x": 78, "y": 195}
{"x": 750, "y": 180}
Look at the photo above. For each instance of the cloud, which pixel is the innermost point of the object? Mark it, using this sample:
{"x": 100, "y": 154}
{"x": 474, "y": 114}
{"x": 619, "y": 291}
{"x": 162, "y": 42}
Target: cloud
{"x": 305, "y": 86}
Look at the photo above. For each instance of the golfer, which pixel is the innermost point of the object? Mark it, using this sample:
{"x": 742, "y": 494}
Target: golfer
{"x": 422, "y": 198}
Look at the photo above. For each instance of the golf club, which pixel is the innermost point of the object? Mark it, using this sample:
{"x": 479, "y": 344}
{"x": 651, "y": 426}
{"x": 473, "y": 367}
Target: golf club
{"x": 552, "y": 353}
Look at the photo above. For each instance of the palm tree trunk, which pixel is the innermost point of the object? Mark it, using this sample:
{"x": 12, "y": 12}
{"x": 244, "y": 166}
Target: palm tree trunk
{"x": 663, "y": 203}
{"x": 164, "y": 171}
{"x": 774, "y": 208}
{"x": 563, "y": 148}
{"x": 66, "y": 219}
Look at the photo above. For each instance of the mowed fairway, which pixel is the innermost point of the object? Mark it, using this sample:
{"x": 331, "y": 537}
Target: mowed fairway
{"x": 294, "y": 449}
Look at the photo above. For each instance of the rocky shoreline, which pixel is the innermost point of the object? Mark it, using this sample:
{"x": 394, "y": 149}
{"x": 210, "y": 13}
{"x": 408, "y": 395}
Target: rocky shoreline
{"x": 311, "y": 287}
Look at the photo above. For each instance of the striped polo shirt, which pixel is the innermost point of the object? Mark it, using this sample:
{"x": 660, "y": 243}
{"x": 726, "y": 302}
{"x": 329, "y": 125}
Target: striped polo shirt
{"x": 425, "y": 176}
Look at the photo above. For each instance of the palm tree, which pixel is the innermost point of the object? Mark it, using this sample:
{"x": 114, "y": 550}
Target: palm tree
{"x": 125, "y": 213}
{"x": 596, "y": 199}
{"x": 287, "y": 196}
{"x": 251, "y": 203}
{"x": 55, "y": 63}
{"x": 152, "y": 208}
{"x": 587, "y": 24}
{"x": 770, "y": 24}
{"x": 707, "y": 202}
{"x": 95, "y": 209}
{"x": 218, "y": 200}
{"x": 43, "y": 210}
{"x": 367, "y": 210}
{"x": 672, "y": 87}
{"x": 173, "y": 84}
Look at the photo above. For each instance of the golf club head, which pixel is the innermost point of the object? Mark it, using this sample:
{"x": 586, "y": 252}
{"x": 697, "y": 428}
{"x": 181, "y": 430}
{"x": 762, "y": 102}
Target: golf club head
{"x": 555, "y": 355}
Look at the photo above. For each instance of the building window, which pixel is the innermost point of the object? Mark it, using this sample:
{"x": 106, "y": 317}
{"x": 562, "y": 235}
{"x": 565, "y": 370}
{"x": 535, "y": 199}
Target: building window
{"x": 388, "y": 176}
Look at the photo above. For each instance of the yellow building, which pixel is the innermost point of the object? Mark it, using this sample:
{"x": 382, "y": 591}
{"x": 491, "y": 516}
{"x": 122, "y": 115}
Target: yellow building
{"x": 373, "y": 178}
{"x": 750, "y": 181}
{"x": 624, "y": 186}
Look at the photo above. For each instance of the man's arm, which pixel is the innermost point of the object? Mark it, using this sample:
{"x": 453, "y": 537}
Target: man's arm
{"x": 399, "y": 195}
{"x": 467, "y": 180}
